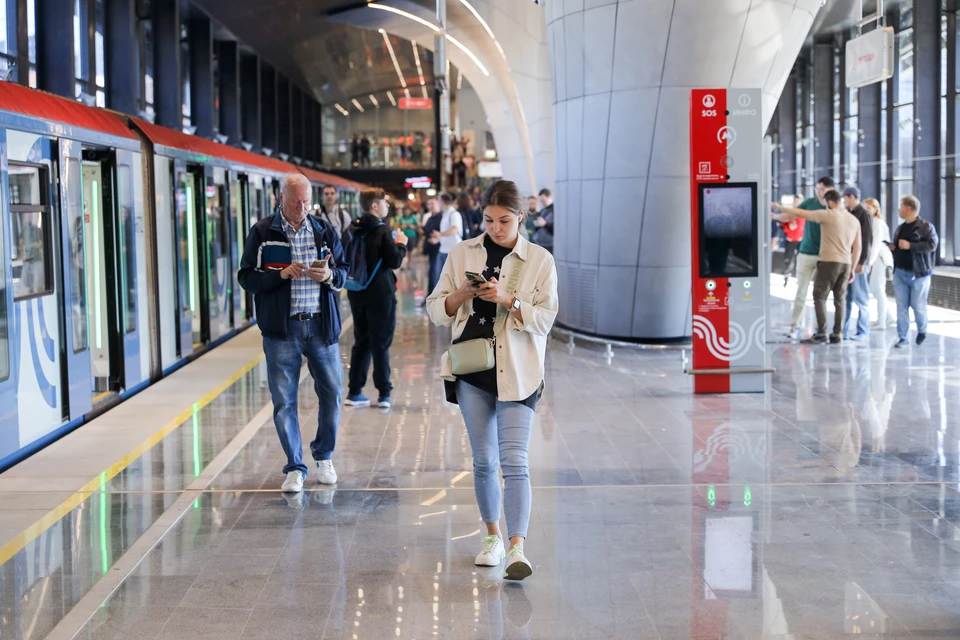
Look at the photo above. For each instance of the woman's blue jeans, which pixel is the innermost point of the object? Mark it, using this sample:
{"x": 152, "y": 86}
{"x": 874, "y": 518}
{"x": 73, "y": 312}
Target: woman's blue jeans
{"x": 500, "y": 438}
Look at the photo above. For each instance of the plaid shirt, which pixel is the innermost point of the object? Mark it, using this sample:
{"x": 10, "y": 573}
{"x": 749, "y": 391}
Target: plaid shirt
{"x": 304, "y": 293}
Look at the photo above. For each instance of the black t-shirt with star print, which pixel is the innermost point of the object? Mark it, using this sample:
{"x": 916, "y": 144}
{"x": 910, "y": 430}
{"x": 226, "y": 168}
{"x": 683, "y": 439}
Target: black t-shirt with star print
{"x": 482, "y": 320}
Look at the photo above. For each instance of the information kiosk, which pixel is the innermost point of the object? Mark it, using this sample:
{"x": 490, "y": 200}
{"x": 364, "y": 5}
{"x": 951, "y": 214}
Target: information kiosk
{"x": 728, "y": 226}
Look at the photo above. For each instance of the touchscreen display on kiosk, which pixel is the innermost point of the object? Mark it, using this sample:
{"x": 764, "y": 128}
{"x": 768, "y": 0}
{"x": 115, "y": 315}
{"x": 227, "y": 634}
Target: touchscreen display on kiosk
{"x": 728, "y": 230}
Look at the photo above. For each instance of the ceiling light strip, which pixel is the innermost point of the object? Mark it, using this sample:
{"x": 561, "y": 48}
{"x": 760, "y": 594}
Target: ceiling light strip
{"x": 416, "y": 56}
{"x": 357, "y": 104}
{"x": 405, "y": 14}
{"x": 432, "y": 27}
{"x": 393, "y": 100}
{"x": 469, "y": 53}
{"x": 485, "y": 26}
{"x": 373, "y": 99}
{"x": 342, "y": 110}
{"x": 393, "y": 56}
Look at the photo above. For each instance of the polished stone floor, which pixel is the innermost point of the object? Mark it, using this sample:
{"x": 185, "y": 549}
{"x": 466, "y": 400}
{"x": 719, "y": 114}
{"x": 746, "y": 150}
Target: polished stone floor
{"x": 826, "y": 508}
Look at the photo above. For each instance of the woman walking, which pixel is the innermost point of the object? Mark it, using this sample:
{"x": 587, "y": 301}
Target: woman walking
{"x": 499, "y": 292}
{"x": 880, "y": 261}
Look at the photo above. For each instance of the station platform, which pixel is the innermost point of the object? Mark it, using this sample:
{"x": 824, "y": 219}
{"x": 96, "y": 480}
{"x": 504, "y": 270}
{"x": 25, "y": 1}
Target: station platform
{"x": 826, "y": 508}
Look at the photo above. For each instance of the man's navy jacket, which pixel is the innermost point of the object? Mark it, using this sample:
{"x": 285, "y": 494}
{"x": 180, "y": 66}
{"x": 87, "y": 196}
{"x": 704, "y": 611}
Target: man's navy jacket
{"x": 267, "y": 253}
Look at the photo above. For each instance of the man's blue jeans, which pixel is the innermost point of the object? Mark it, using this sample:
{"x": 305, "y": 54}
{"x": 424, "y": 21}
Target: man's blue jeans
{"x": 499, "y": 435}
{"x": 284, "y": 361}
{"x": 911, "y": 293}
{"x": 858, "y": 293}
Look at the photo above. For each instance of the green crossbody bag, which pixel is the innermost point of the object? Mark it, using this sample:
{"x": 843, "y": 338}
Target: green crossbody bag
{"x": 473, "y": 356}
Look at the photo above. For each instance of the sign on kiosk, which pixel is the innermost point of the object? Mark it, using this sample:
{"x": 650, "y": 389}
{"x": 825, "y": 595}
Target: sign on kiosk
{"x": 728, "y": 261}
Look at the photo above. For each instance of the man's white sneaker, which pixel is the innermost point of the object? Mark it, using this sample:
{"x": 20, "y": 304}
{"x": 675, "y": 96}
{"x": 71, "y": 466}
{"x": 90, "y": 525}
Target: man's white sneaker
{"x": 518, "y": 567}
{"x": 293, "y": 483}
{"x": 491, "y": 553}
{"x": 325, "y": 472}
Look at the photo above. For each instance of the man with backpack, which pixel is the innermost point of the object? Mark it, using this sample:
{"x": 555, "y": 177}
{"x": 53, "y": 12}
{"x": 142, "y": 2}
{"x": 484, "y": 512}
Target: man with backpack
{"x": 293, "y": 264}
{"x": 373, "y": 251}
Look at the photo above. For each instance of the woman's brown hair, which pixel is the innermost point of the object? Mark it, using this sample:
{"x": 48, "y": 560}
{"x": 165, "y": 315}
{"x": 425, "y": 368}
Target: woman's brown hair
{"x": 502, "y": 193}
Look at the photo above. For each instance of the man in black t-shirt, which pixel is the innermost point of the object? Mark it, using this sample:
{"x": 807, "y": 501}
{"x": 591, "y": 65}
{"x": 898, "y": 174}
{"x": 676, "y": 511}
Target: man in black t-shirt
{"x": 859, "y": 290}
{"x": 914, "y": 249}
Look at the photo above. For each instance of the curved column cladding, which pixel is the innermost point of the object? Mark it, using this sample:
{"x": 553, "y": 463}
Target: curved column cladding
{"x": 622, "y": 76}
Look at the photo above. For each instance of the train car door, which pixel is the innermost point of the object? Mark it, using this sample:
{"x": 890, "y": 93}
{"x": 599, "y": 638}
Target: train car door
{"x": 97, "y": 271}
{"x": 239, "y": 213}
{"x": 188, "y": 260}
{"x": 9, "y": 431}
{"x": 219, "y": 285}
{"x": 111, "y": 270}
{"x": 79, "y": 356}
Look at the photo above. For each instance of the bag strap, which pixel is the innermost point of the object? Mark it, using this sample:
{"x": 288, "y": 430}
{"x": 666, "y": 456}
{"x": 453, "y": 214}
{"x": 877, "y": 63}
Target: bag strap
{"x": 512, "y": 283}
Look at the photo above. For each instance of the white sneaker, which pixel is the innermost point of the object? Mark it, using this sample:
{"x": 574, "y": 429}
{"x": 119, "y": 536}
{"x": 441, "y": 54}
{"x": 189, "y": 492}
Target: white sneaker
{"x": 326, "y": 473}
{"x": 293, "y": 483}
{"x": 492, "y": 553}
{"x": 518, "y": 567}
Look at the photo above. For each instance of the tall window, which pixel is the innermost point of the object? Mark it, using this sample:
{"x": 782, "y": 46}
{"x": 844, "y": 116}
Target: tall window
{"x": 88, "y": 62}
{"x": 185, "y": 76}
{"x": 8, "y": 40}
{"x": 837, "y": 169}
{"x": 903, "y": 121}
{"x": 144, "y": 55}
{"x": 18, "y": 57}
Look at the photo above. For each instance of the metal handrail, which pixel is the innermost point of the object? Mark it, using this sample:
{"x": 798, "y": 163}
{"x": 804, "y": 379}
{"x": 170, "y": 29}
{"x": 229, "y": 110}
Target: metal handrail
{"x": 573, "y": 336}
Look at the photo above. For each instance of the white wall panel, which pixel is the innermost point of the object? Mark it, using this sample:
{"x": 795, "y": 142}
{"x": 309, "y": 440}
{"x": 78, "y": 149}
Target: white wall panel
{"x": 599, "y": 28}
{"x": 630, "y": 132}
{"x": 641, "y": 42}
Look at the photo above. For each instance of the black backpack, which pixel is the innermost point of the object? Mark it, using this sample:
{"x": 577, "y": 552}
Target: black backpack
{"x": 356, "y": 251}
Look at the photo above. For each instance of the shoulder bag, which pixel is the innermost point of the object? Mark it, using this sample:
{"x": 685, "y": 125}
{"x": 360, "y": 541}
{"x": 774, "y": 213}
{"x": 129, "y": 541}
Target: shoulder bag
{"x": 479, "y": 354}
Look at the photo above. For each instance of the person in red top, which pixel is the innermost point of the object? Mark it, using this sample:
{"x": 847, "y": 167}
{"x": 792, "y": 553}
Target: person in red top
{"x": 793, "y": 230}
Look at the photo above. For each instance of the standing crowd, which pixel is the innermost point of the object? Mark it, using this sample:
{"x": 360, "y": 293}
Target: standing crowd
{"x": 845, "y": 248}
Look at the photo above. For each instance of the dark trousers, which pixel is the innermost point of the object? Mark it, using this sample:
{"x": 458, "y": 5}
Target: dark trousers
{"x": 832, "y": 277}
{"x": 374, "y": 321}
{"x": 790, "y": 258}
{"x": 436, "y": 267}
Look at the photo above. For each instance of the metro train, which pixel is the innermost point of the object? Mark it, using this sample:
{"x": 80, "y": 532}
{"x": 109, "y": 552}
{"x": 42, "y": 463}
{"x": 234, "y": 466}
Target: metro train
{"x": 119, "y": 247}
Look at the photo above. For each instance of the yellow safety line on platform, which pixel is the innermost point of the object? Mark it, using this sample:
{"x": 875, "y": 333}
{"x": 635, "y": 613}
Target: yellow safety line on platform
{"x": 32, "y": 532}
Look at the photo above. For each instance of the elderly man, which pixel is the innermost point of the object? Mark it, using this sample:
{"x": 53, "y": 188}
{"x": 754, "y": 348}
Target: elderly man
{"x": 293, "y": 265}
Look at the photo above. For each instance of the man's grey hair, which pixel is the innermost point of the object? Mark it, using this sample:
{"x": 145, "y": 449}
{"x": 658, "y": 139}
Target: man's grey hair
{"x": 911, "y": 202}
{"x": 293, "y": 180}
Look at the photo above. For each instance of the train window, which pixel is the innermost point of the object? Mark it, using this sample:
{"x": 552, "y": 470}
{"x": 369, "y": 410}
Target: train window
{"x": 128, "y": 283}
{"x": 32, "y": 257}
{"x": 77, "y": 262}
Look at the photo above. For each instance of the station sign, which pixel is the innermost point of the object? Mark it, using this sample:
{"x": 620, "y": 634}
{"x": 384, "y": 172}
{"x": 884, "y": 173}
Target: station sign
{"x": 416, "y": 103}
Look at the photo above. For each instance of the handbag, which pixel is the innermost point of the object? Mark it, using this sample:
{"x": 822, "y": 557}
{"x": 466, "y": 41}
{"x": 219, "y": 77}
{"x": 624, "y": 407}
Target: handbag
{"x": 479, "y": 354}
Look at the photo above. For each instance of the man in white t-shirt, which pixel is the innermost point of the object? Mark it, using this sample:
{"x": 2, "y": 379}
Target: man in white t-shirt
{"x": 451, "y": 228}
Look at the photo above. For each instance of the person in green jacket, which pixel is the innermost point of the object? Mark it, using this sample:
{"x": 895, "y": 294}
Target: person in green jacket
{"x": 809, "y": 254}
{"x": 408, "y": 222}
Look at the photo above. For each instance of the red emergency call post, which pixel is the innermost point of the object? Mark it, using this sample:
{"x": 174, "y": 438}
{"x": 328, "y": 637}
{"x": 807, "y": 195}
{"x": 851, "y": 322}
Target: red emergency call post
{"x": 727, "y": 220}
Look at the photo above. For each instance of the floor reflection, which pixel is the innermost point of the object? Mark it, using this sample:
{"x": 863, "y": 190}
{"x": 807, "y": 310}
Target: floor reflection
{"x": 827, "y": 508}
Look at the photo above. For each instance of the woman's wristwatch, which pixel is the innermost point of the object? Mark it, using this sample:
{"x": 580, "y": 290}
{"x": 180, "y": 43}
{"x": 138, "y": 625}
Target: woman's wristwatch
{"x": 516, "y": 304}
